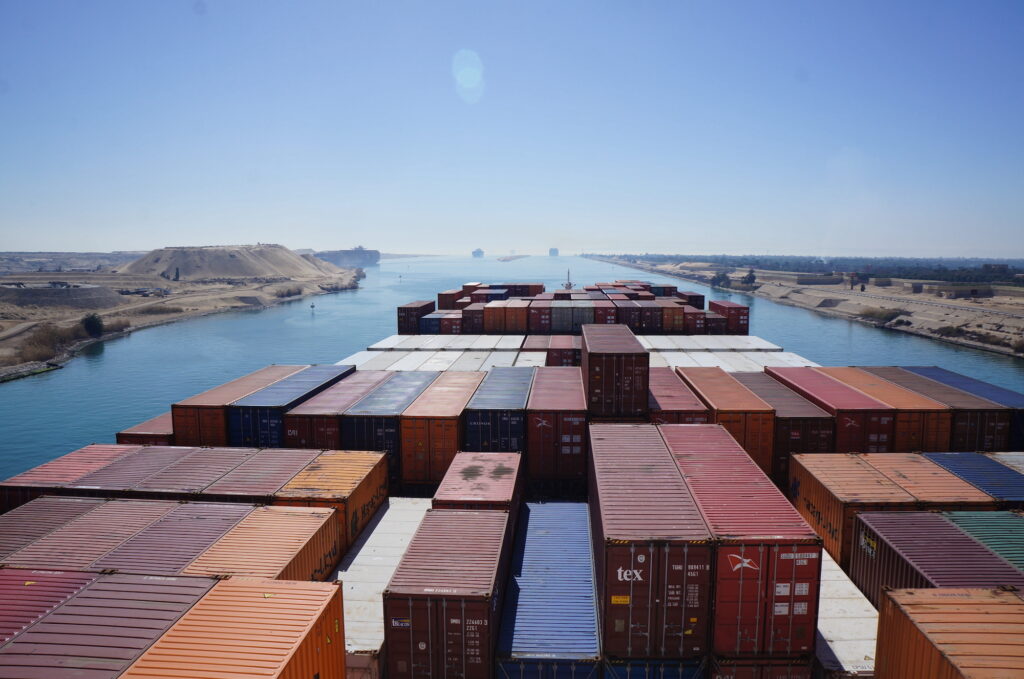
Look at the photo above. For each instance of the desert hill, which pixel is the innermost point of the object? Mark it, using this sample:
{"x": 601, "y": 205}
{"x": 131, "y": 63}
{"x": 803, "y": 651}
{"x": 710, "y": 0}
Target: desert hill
{"x": 229, "y": 261}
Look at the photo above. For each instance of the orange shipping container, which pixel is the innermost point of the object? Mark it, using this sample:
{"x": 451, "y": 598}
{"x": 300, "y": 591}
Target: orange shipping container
{"x": 202, "y": 420}
{"x": 950, "y": 634}
{"x": 252, "y": 627}
{"x": 353, "y": 483}
{"x": 750, "y": 420}
{"x": 922, "y": 424}
{"x": 306, "y": 545}
{"x": 494, "y": 317}
{"x": 517, "y": 313}
{"x": 431, "y": 428}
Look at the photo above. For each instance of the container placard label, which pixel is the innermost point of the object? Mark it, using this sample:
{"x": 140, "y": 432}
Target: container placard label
{"x": 403, "y": 623}
{"x": 620, "y": 600}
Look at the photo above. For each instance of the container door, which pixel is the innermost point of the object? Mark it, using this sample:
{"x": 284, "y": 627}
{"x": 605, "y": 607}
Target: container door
{"x": 630, "y": 580}
{"x": 444, "y": 443}
{"x": 685, "y": 606}
{"x": 739, "y": 599}
{"x": 415, "y": 450}
{"x": 541, "y": 447}
{"x": 413, "y": 646}
{"x": 792, "y": 600}
{"x": 571, "y": 452}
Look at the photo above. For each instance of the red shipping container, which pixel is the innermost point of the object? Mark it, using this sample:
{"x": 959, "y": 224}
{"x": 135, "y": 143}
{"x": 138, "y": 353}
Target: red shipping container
{"x": 715, "y": 324}
{"x": 693, "y": 321}
{"x": 317, "y": 422}
{"x": 477, "y": 481}
{"x": 564, "y": 350}
{"x": 556, "y": 420}
{"x": 158, "y": 431}
{"x": 494, "y": 317}
{"x": 724, "y": 668}
{"x": 863, "y": 425}
{"x": 769, "y": 560}
{"x": 650, "y": 317}
{"x": 443, "y": 604}
{"x": 431, "y": 427}
{"x": 652, "y": 549}
{"x": 536, "y": 343}
{"x": 672, "y": 402}
{"x": 27, "y": 486}
{"x": 539, "y": 320}
{"x": 473, "y": 319}
{"x": 737, "y": 316}
{"x": 25, "y": 524}
{"x": 615, "y": 372}
{"x": 617, "y": 297}
{"x": 645, "y": 296}
{"x": 462, "y": 303}
{"x": 628, "y": 313}
{"x": 409, "y": 316}
{"x": 517, "y": 316}
{"x": 673, "y": 320}
{"x": 746, "y": 417}
{"x": 28, "y": 595}
{"x": 451, "y": 324}
{"x": 605, "y": 312}
{"x": 446, "y": 299}
{"x": 469, "y": 288}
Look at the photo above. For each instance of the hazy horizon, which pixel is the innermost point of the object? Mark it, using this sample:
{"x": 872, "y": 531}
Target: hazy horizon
{"x": 795, "y": 128}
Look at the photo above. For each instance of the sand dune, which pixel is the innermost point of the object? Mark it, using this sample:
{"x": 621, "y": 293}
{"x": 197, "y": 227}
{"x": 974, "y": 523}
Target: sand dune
{"x": 229, "y": 261}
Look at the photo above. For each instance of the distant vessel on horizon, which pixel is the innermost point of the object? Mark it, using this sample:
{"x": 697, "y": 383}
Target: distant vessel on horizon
{"x": 552, "y": 252}
{"x": 478, "y": 253}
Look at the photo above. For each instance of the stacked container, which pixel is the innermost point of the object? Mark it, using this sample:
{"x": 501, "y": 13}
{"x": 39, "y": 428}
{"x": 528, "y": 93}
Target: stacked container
{"x": 671, "y": 402}
{"x": 694, "y": 299}
{"x": 317, "y": 422}
{"x": 556, "y": 421}
{"x": 443, "y": 604}
{"x": 615, "y": 372}
{"x": 1001, "y": 482}
{"x": 652, "y": 548}
{"x": 409, "y": 316}
{"x": 158, "y": 431}
{"x": 496, "y": 415}
{"x": 1002, "y": 532}
{"x": 431, "y": 427}
{"x": 482, "y": 481}
{"x": 863, "y": 424}
{"x": 564, "y": 350}
{"x": 749, "y": 419}
{"x": 768, "y": 560}
{"x": 737, "y": 316}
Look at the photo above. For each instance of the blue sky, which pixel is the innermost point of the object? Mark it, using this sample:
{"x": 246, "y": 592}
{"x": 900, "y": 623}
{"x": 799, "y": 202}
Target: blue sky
{"x": 744, "y": 127}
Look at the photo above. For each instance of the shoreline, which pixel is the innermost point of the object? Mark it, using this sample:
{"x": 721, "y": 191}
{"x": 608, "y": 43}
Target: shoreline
{"x": 21, "y": 370}
{"x": 1004, "y": 351}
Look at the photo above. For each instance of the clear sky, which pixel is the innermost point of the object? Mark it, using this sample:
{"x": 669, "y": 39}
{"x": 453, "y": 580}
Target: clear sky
{"x": 888, "y": 128}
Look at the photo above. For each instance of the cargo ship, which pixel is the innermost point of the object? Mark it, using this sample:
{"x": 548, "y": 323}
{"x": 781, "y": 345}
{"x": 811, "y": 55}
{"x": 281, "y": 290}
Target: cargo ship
{"x": 356, "y": 257}
{"x": 610, "y": 481}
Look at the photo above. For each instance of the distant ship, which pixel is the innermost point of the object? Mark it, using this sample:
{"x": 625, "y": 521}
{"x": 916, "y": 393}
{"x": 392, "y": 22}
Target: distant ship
{"x": 552, "y": 252}
{"x": 357, "y": 256}
{"x": 478, "y": 253}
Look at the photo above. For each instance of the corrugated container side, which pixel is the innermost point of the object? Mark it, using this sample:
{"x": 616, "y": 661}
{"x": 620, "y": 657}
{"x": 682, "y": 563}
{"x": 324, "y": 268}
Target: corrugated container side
{"x": 253, "y": 627}
{"x": 495, "y": 418}
{"x": 1002, "y": 532}
{"x": 158, "y": 431}
{"x": 449, "y": 586}
{"x": 556, "y": 418}
{"x": 29, "y": 594}
{"x": 66, "y": 469}
{"x": 24, "y": 525}
{"x": 260, "y": 476}
{"x": 730, "y": 668}
{"x": 922, "y": 549}
{"x": 950, "y": 634}
{"x": 615, "y": 372}
{"x": 672, "y": 402}
{"x": 927, "y": 481}
{"x": 985, "y": 474}
{"x": 652, "y": 548}
{"x": 654, "y": 669}
{"x": 317, "y": 422}
{"x": 482, "y": 481}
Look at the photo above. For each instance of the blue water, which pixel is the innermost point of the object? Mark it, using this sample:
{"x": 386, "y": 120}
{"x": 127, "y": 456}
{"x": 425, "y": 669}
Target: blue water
{"x": 122, "y": 382}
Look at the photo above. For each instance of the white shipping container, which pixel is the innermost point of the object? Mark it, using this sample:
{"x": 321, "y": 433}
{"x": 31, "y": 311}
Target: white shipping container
{"x": 411, "y": 361}
{"x": 499, "y": 359}
{"x": 679, "y": 359}
{"x": 437, "y": 342}
{"x": 440, "y": 361}
{"x": 358, "y": 358}
{"x": 657, "y": 360}
{"x": 413, "y": 342}
{"x": 365, "y": 572}
{"x": 533, "y": 358}
{"x": 796, "y": 360}
{"x": 736, "y": 362}
{"x": 509, "y": 342}
{"x": 659, "y": 342}
{"x": 485, "y": 342}
{"x": 387, "y": 343}
{"x": 384, "y": 360}
{"x": 847, "y": 626}
{"x": 707, "y": 359}
{"x": 1011, "y": 460}
{"x": 470, "y": 361}
{"x": 461, "y": 342}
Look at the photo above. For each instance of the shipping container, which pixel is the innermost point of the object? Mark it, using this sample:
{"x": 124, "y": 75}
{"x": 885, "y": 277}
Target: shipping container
{"x": 25, "y": 524}
{"x": 1012, "y": 400}
{"x": 673, "y": 318}
{"x": 517, "y": 316}
{"x": 494, "y": 317}
{"x": 629, "y": 314}
{"x": 748, "y": 418}
{"x": 431, "y": 323}
{"x": 715, "y": 324}
{"x": 847, "y": 627}
{"x": 477, "y": 481}
{"x": 694, "y": 321}
{"x": 473, "y": 319}
{"x": 202, "y": 420}
{"x": 1002, "y": 532}
{"x": 556, "y": 426}
{"x": 253, "y": 627}
{"x": 652, "y": 549}
{"x": 561, "y": 317}
{"x": 409, "y": 316}
{"x": 30, "y": 594}
{"x": 158, "y": 431}
{"x": 27, "y": 486}
{"x": 549, "y": 625}
{"x": 800, "y": 426}
{"x": 615, "y": 372}
{"x": 1001, "y": 482}
{"x": 317, "y": 422}
{"x": 737, "y": 316}
{"x": 863, "y": 424}
{"x": 260, "y": 476}
{"x": 495, "y": 418}
{"x": 564, "y": 350}
{"x": 654, "y": 669}
{"x": 731, "y": 668}
{"x": 432, "y": 425}
{"x": 446, "y": 299}
{"x": 365, "y": 572}
{"x": 531, "y": 359}
{"x": 99, "y": 629}
{"x": 694, "y": 299}
{"x": 1014, "y": 461}
{"x": 921, "y": 423}
{"x": 768, "y": 559}
{"x": 605, "y": 312}
{"x": 353, "y": 483}
{"x": 443, "y": 604}
{"x": 536, "y": 343}
{"x": 451, "y": 323}
{"x": 914, "y": 550}
{"x": 372, "y": 423}
{"x": 650, "y": 317}
{"x": 950, "y": 634}
{"x": 672, "y": 402}
{"x": 539, "y": 319}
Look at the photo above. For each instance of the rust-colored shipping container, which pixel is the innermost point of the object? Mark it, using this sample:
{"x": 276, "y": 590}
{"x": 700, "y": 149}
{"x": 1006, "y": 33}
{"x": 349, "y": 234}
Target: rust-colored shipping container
{"x": 517, "y": 316}
{"x": 914, "y": 550}
{"x": 800, "y": 426}
{"x": 253, "y": 627}
{"x": 747, "y": 417}
{"x": 473, "y": 319}
{"x": 451, "y": 323}
{"x": 978, "y": 424}
{"x": 494, "y": 317}
{"x": 830, "y": 491}
{"x": 766, "y": 668}
{"x": 556, "y": 422}
{"x": 202, "y": 420}
{"x": 615, "y": 372}
{"x": 921, "y": 423}
{"x": 158, "y": 431}
{"x": 652, "y": 549}
{"x": 353, "y": 483}
{"x": 409, "y": 316}
{"x": 443, "y": 604}
{"x": 260, "y": 476}
{"x": 768, "y": 561}
{"x": 650, "y": 317}
{"x": 673, "y": 319}
{"x": 564, "y": 350}
{"x": 539, "y": 317}
{"x": 694, "y": 321}
{"x": 863, "y": 424}
{"x": 446, "y": 299}
{"x": 317, "y": 422}
{"x": 950, "y": 634}
{"x": 628, "y": 313}
{"x": 24, "y": 525}
{"x": 715, "y": 324}
{"x": 431, "y": 428}
{"x": 536, "y": 342}
{"x": 605, "y": 312}
{"x": 481, "y": 481}
{"x": 29, "y": 595}
{"x": 672, "y": 402}
{"x": 737, "y": 316}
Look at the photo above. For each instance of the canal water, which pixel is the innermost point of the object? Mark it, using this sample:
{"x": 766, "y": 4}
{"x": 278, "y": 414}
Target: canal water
{"x": 125, "y": 381}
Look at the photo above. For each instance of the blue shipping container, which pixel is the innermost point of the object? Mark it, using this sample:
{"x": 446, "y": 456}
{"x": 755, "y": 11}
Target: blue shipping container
{"x": 372, "y": 423}
{"x": 496, "y": 415}
{"x": 431, "y": 324}
{"x": 985, "y": 474}
{"x": 549, "y": 625}
{"x": 652, "y": 669}
{"x": 1004, "y": 397}
{"x": 257, "y": 420}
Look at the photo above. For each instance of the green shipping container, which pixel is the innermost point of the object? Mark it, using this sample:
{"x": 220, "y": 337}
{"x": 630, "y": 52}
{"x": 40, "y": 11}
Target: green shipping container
{"x": 1002, "y": 532}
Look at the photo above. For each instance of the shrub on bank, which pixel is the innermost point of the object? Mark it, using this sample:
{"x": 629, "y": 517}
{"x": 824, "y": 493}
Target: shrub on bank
{"x": 883, "y": 315}
{"x": 281, "y": 293}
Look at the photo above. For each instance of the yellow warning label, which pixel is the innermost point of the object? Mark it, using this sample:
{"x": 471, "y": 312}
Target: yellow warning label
{"x": 267, "y": 595}
{"x": 620, "y": 600}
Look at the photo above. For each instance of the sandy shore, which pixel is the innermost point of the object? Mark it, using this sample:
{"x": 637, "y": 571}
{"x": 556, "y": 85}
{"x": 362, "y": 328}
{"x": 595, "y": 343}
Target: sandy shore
{"x": 983, "y": 324}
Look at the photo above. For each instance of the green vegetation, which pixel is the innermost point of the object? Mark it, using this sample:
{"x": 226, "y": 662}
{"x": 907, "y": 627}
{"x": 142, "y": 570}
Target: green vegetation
{"x": 48, "y": 339}
{"x": 949, "y": 331}
{"x": 93, "y": 325}
{"x": 884, "y": 315}
{"x": 1018, "y": 347}
{"x": 721, "y": 280}
{"x": 281, "y": 293}
{"x": 749, "y": 279}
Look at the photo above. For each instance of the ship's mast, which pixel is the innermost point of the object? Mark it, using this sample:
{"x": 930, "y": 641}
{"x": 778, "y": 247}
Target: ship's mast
{"x": 568, "y": 280}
